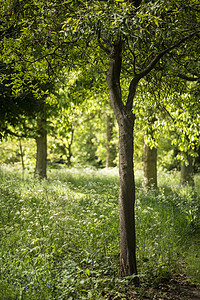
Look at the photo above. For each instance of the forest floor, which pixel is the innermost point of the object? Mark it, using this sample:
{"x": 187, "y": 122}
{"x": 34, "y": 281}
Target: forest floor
{"x": 60, "y": 238}
{"x": 177, "y": 288}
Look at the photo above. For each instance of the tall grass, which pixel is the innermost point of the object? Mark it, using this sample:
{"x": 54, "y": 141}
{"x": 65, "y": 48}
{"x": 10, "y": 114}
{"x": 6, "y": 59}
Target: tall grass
{"x": 60, "y": 238}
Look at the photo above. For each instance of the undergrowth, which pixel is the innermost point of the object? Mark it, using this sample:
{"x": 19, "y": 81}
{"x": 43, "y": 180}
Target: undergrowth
{"x": 60, "y": 237}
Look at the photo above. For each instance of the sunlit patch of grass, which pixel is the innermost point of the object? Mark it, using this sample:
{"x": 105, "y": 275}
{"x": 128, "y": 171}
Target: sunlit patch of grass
{"x": 192, "y": 257}
{"x": 60, "y": 237}
{"x": 57, "y": 234}
{"x": 166, "y": 220}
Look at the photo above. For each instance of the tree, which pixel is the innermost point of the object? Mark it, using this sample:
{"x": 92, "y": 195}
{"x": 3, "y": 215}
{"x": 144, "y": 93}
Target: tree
{"x": 20, "y": 111}
{"x": 187, "y": 170}
{"x": 148, "y": 114}
{"x": 17, "y": 106}
{"x": 135, "y": 38}
{"x": 110, "y": 146}
{"x": 149, "y": 167}
{"x": 184, "y": 124}
{"x": 30, "y": 80}
{"x": 41, "y": 154}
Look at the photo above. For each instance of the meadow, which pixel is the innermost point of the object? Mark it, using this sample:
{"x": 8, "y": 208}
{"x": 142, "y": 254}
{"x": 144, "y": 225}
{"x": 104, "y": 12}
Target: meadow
{"x": 60, "y": 237}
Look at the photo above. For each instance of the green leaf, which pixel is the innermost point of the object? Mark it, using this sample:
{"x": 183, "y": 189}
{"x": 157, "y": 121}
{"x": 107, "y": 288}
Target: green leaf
{"x": 87, "y": 272}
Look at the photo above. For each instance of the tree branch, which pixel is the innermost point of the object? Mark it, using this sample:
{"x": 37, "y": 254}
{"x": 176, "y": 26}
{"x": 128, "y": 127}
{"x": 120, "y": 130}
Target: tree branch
{"x": 156, "y": 59}
{"x": 50, "y": 53}
{"x": 151, "y": 66}
{"x": 134, "y": 57}
{"x": 8, "y": 131}
{"x": 113, "y": 76}
{"x": 105, "y": 49}
{"x": 168, "y": 113}
{"x": 188, "y": 78}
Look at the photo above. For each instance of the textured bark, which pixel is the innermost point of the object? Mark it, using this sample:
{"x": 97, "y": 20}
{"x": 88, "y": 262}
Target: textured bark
{"x": 125, "y": 119}
{"x": 149, "y": 167}
{"x": 110, "y": 149}
{"x": 41, "y": 155}
{"x": 127, "y": 198}
{"x": 187, "y": 174}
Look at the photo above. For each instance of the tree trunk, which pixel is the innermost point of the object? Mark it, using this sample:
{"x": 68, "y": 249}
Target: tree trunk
{"x": 110, "y": 148}
{"x": 149, "y": 167}
{"x": 187, "y": 172}
{"x": 41, "y": 155}
{"x": 127, "y": 198}
{"x": 125, "y": 120}
{"x": 69, "y": 148}
{"x": 22, "y": 155}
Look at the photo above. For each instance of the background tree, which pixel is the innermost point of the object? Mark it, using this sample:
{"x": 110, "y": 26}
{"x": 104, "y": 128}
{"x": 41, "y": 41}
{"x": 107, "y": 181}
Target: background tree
{"x": 110, "y": 145}
{"x": 27, "y": 37}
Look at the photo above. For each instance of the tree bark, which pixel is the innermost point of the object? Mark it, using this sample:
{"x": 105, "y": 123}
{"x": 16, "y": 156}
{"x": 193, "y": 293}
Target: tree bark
{"x": 149, "y": 167}
{"x": 41, "y": 155}
{"x": 69, "y": 148}
{"x": 127, "y": 198}
{"x": 22, "y": 155}
{"x": 187, "y": 172}
{"x": 125, "y": 120}
{"x": 110, "y": 148}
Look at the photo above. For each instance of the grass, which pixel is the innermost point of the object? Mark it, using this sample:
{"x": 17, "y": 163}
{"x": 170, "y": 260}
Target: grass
{"x": 60, "y": 238}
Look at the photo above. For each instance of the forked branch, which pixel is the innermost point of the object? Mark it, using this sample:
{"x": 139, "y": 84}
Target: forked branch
{"x": 151, "y": 66}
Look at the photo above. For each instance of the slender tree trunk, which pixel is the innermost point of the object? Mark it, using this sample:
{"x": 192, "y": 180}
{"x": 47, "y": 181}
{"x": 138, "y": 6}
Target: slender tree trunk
{"x": 127, "y": 199}
{"x": 187, "y": 172}
{"x": 41, "y": 155}
{"x": 149, "y": 167}
{"x": 110, "y": 148}
{"x": 125, "y": 119}
{"x": 69, "y": 148}
{"x": 22, "y": 155}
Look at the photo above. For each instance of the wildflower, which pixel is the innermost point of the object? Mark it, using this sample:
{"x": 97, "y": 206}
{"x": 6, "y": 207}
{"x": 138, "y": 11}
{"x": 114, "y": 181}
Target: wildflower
{"x": 48, "y": 286}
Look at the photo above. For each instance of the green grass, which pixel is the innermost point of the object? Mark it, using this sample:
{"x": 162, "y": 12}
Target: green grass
{"x": 60, "y": 238}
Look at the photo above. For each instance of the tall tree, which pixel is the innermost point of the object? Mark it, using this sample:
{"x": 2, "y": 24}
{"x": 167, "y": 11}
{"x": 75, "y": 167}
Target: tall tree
{"x": 25, "y": 33}
{"x": 110, "y": 146}
{"x": 41, "y": 152}
{"x": 136, "y": 37}
{"x": 187, "y": 170}
{"x": 149, "y": 160}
